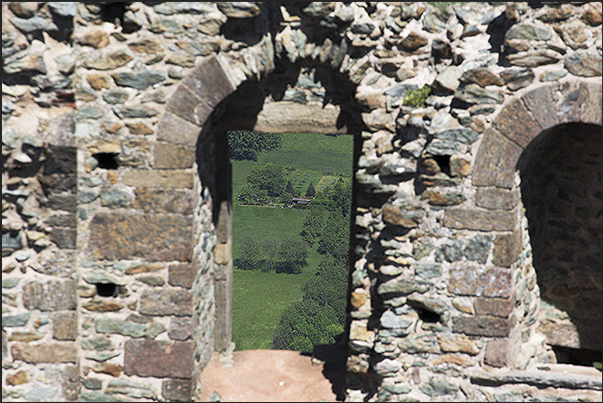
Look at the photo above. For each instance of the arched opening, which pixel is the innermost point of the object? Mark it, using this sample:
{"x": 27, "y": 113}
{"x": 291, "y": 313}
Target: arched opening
{"x": 297, "y": 98}
{"x": 561, "y": 172}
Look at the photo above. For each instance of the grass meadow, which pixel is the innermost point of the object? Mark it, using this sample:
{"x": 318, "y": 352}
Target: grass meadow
{"x": 259, "y": 299}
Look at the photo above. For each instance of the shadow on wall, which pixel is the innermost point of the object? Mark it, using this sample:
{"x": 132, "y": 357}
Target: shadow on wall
{"x": 562, "y": 192}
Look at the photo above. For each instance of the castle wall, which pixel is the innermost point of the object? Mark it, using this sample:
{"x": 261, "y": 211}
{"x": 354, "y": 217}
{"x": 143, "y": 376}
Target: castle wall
{"x": 117, "y": 263}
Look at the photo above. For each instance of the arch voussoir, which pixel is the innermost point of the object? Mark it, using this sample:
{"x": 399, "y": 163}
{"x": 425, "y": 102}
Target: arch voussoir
{"x": 496, "y": 161}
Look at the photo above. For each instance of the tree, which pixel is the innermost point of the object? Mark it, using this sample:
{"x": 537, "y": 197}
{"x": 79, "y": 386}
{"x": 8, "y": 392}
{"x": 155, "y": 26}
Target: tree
{"x": 246, "y": 144}
{"x": 268, "y": 177}
{"x": 292, "y": 255}
{"x": 289, "y": 188}
{"x": 311, "y": 192}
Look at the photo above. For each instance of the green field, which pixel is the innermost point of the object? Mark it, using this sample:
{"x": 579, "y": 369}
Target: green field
{"x": 259, "y": 299}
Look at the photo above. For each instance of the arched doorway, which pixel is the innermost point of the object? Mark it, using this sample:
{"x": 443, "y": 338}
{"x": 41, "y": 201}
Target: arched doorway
{"x": 561, "y": 191}
{"x": 537, "y": 145}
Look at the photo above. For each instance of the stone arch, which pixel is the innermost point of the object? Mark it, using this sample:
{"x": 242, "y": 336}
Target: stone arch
{"x": 188, "y": 122}
{"x": 528, "y": 117}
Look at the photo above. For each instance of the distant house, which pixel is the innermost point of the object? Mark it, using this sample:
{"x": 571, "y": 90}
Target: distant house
{"x": 303, "y": 202}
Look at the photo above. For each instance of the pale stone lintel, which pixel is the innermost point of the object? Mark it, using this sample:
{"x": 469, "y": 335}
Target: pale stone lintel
{"x": 539, "y": 378}
{"x": 293, "y": 117}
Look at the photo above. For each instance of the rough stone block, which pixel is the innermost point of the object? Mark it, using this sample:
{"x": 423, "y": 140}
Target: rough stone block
{"x": 158, "y": 200}
{"x": 173, "y": 156}
{"x": 497, "y": 353}
{"x": 540, "y": 102}
{"x": 507, "y": 248}
{"x": 65, "y": 326}
{"x": 65, "y": 238}
{"x": 174, "y": 129}
{"x": 53, "y": 295}
{"x": 177, "y": 178}
{"x": 155, "y": 237}
{"x": 161, "y": 359}
{"x": 496, "y": 161}
{"x": 177, "y": 390}
{"x": 480, "y": 281}
{"x": 183, "y": 103}
{"x": 181, "y": 329}
{"x": 493, "y": 198}
{"x": 182, "y": 275}
{"x": 177, "y": 302}
{"x": 480, "y": 220}
{"x": 517, "y": 123}
{"x": 45, "y": 353}
{"x": 590, "y": 110}
{"x": 210, "y": 82}
{"x": 481, "y": 326}
{"x": 493, "y": 306}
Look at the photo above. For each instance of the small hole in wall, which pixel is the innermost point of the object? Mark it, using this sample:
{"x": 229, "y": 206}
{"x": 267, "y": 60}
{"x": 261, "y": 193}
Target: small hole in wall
{"x": 112, "y": 11}
{"x": 106, "y": 160}
{"x": 428, "y": 316}
{"x": 444, "y": 162}
{"x": 106, "y": 290}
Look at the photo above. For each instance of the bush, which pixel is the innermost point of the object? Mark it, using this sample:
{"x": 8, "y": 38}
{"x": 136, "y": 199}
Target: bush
{"x": 417, "y": 97}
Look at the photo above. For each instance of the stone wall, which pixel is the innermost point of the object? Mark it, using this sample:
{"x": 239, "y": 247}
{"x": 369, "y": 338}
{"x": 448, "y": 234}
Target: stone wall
{"x": 116, "y": 237}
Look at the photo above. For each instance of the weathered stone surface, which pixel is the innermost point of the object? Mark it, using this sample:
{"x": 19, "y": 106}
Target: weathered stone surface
{"x": 169, "y": 178}
{"x": 481, "y": 326}
{"x": 239, "y": 9}
{"x": 401, "y": 217}
{"x": 180, "y": 329}
{"x": 103, "y": 306}
{"x": 120, "y": 326}
{"x": 584, "y": 63}
{"x": 65, "y": 238}
{"x": 161, "y": 302}
{"x": 480, "y": 281}
{"x": 174, "y": 129}
{"x": 493, "y": 306}
{"x": 173, "y": 156}
{"x": 152, "y": 236}
{"x": 114, "y": 370}
{"x": 457, "y": 344}
{"x": 590, "y": 109}
{"x": 496, "y": 161}
{"x": 130, "y": 388}
{"x": 474, "y": 94}
{"x": 26, "y": 336}
{"x": 421, "y": 344}
{"x": 109, "y": 60}
{"x": 182, "y": 275}
{"x": 443, "y": 199}
{"x": 481, "y": 76}
{"x": 480, "y": 220}
{"x": 497, "y": 353}
{"x": 65, "y": 326}
{"x": 534, "y": 58}
{"x": 401, "y": 286}
{"x": 517, "y": 79}
{"x": 438, "y": 387}
{"x": 140, "y": 80}
{"x": 53, "y": 295}
{"x": 161, "y": 359}
{"x": 178, "y": 390}
{"x": 158, "y": 200}
{"x": 493, "y": 198}
{"x": 414, "y": 41}
{"x": 507, "y": 248}
{"x": 515, "y": 122}
{"x": 45, "y": 353}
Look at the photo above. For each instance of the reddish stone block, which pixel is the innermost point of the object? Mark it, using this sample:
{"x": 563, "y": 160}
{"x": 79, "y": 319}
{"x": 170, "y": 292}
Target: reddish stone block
{"x": 155, "y": 237}
{"x": 493, "y": 306}
{"x": 182, "y": 275}
{"x": 481, "y": 326}
{"x": 161, "y": 359}
{"x": 496, "y": 161}
{"x": 480, "y": 220}
{"x": 497, "y": 353}
{"x": 480, "y": 281}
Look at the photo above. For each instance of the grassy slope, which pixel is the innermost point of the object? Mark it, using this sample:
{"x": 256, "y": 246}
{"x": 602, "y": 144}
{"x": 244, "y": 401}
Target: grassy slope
{"x": 260, "y": 298}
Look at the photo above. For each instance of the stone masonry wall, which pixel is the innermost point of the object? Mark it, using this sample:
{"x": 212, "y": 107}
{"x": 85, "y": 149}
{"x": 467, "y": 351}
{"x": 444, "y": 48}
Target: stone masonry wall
{"x": 116, "y": 189}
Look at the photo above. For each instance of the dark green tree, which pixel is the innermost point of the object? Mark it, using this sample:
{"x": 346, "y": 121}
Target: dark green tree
{"x": 246, "y": 144}
{"x": 268, "y": 177}
{"x": 311, "y": 192}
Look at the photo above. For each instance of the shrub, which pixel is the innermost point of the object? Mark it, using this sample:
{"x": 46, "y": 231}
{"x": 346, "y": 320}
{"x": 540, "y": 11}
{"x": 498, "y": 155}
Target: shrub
{"x": 417, "y": 97}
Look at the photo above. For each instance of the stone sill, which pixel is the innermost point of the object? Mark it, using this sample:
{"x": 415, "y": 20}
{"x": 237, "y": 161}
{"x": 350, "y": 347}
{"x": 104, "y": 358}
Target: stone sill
{"x": 555, "y": 375}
